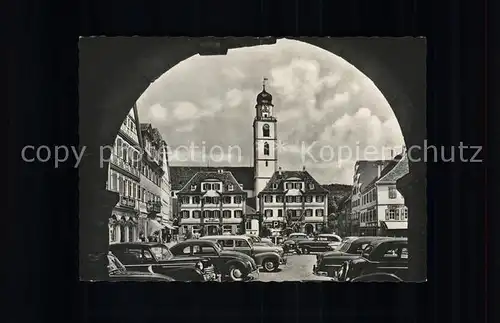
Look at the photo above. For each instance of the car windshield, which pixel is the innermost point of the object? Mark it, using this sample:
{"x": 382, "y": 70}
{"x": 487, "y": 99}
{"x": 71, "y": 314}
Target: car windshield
{"x": 161, "y": 253}
{"x": 368, "y": 250}
{"x": 217, "y": 247}
{"x": 250, "y": 242}
{"x": 344, "y": 247}
{"x": 114, "y": 265}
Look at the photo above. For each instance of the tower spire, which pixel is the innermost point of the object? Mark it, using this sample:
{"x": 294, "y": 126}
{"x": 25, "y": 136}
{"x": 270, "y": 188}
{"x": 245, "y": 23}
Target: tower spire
{"x": 264, "y": 83}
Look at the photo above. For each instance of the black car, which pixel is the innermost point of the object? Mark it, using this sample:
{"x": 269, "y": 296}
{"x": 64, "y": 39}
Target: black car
{"x": 155, "y": 257}
{"x": 232, "y": 265}
{"x": 289, "y": 244}
{"x": 387, "y": 256}
{"x": 118, "y": 273}
{"x": 329, "y": 262}
{"x": 321, "y": 243}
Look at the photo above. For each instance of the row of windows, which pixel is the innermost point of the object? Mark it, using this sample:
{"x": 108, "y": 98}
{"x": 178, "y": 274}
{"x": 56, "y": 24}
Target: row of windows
{"x": 131, "y": 156}
{"x": 207, "y": 214}
{"x": 129, "y": 188}
{"x": 130, "y": 124}
{"x": 396, "y": 214}
{"x": 294, "y": 213}
{"x": 211, "y": 200}
{"x": 293, "y": 199}
{"x": 213, "y": 187}
{"x": 372, "y": 196}
{"x": 369, "y": 216}
{"x": 196, "y": 229}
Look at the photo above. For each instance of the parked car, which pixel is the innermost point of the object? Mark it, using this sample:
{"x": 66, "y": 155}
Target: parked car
{"x": 290, "y": 242}
{"x": 387, "y": 256}
{"x": 118, "y": 273}
{"x": 321, "y": 243}
{"x": 155, "y": 257}
{"x": 270, "y": 258}
{"x": 231, "y": 265}
{"x": 260, "y": 241}
{"x": 277, "y": 240}
{"x": 329, "y": 262}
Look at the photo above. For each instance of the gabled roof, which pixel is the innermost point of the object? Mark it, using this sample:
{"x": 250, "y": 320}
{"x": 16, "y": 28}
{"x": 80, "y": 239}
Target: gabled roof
{"x": 180, "y": 175}
{"x": 395, "y": 169}
{"x": 249, "y": 209}
{"x": 225, "y": 177}
{"x": 368, "y": 171}
{"x": 279, "y": 178}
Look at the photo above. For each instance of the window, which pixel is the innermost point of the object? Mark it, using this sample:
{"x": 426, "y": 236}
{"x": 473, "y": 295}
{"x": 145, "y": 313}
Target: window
{"x": 248, "y": 225}
{"x": 311, "y": 186}
{"x": 279, "y": 198}
{"x": 298, "y": 199}
{"x": 319, "y": 212}
{"x": 216, "y": 214}
{"x": 320, "y": 198}
{"x": 268, "y": 198}
{"x": 266, "y": 149}
{"x": 390, "y": 214}
{"x": 226, "y": 214}
{"x": 216, "y": 187}
{"x": 226, "y": 200}
{"x": 185, "y": 214}
{"x": 289, "y": 199}
{"x": 404, "y": 253}
{"x": 186, "y": 251}
{"x": 289, "y": 186}
{"x": 405, "y": 212}
{"x": 230, "y": 187}
{"x": 280, "y": 213}
{"x": 238, "y": 213}
{"x": 309, "y": 199}
{"x": 392, "y": 193}
{"x": 226, "y": 229}
{"x": 226, "y": 243}
{"x": 161, "y": 253}
{"x": 267, "y": 164}
{"x": 275, "y": 186}
{"x": 242, "y": 244}
{"x": 265, "y": 130}
{"x": 308, "y": 212}
{"x": 268, "y": 213}
{"x": 237, "y": 199}
{"x": 196, "y": 214}
{"x": 196, "y": 200}
{"x": 193, "y": 187}
{"x": 297, "y": 186}
{"x": 391, "y": 253}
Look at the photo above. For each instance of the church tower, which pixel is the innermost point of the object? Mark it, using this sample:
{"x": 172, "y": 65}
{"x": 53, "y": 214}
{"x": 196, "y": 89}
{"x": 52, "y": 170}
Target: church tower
{"x": 265, "y": 141}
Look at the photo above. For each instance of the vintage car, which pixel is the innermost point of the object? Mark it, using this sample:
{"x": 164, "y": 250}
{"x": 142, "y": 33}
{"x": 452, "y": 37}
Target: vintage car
{"x": 155, "y": 257}
{"x": 321, "y": 243}
{"x": 260, "y": 241}
{"x": 231, "y": 265}
{"x": 270, "y": 258}
{"x": 290, "y": 242}
{"x": 387, "y": 256}
{"x": 329, "y": 262}
{"x": 116, "y": 271}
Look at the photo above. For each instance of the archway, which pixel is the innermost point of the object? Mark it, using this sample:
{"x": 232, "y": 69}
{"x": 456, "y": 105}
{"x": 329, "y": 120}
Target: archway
{"x": 114, "y": 72}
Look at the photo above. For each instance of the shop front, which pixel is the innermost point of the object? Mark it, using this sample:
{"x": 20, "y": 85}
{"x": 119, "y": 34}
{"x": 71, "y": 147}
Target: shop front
{"x": 394, "y": 228}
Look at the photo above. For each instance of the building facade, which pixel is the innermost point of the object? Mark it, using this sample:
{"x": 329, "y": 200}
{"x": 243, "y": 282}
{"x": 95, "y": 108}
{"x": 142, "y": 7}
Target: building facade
{"x": 295, "y": 196}
{"x": 152, "y": 173}
{"x": 124, "y": 178}
{"x": 212, "y": 203}
{"x": 378, "y": 208}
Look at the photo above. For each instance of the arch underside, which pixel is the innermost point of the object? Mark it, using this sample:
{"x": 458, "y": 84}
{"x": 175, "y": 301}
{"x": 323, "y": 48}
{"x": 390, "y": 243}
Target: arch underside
{"x": 114, "y": 72}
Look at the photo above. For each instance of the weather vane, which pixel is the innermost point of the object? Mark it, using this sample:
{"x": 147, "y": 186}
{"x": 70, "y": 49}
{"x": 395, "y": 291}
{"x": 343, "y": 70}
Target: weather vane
{"x": 264, "y": 83}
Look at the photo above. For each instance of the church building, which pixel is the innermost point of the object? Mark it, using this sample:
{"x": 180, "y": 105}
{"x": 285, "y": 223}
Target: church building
{"x": 248, "y": 190}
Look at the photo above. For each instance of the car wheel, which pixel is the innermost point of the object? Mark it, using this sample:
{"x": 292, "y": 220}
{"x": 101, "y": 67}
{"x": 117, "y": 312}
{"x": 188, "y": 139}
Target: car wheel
{"x": 305, "y": 250}
{"x": 270, "y": 265}
{"x": 235, "y": 274}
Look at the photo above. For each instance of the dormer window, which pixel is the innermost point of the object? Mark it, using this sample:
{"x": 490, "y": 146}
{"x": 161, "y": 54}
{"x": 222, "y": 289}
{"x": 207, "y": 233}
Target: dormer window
{"x": 241, "y": 186}
{"x": 193, "y": 187}
{"x": 230, "y": 187}
{"x": 275, "y": 186}
{"x": 311, "y": 186}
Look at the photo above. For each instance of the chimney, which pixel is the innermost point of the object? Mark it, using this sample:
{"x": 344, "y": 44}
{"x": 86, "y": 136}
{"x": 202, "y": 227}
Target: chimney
{"x": 379, "y": 169}
{"x": 392, "y": 153}
{"x": 279, "y": 170}
{"x": 304, "y": 168}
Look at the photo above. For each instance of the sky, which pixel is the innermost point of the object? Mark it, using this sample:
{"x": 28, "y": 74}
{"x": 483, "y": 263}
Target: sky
{"x": 329, "y": 113}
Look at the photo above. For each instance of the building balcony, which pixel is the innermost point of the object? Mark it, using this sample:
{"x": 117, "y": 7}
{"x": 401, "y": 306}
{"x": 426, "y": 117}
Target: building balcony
{"x": 129, "y": 133}
{"x": 153, "y": 207}
{"x": 120, "y": 163}
{"x": 127, "y": 202}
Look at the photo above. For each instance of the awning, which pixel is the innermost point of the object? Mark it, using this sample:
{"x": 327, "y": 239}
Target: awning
{"x": 155, "y": 226}
{"x": 395, "y": 225}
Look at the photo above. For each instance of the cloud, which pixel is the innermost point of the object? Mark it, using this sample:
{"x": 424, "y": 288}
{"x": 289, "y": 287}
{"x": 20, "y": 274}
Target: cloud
{"x": 234, "y": 97}
{"x": 185, "y": 110}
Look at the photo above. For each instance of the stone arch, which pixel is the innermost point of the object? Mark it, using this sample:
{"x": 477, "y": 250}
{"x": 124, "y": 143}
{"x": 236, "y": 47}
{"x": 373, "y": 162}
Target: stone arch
{"x": 114, "y": 72}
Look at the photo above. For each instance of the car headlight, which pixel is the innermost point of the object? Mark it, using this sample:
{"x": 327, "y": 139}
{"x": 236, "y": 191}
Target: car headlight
{"x": 199, "y": 265}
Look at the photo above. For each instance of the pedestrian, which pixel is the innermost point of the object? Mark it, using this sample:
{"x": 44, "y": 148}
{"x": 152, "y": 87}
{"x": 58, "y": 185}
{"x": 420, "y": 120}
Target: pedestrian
{"x": 142, "y": 237}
